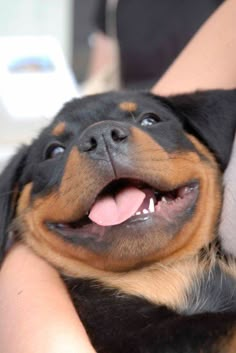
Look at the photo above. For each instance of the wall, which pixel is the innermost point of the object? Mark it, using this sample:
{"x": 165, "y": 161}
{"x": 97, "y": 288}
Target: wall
{"x": 38, "y": 17}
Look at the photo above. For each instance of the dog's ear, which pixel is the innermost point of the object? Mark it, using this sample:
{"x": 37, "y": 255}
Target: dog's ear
{"x": 211, "y": 117}
{"x": 8, "y": 194}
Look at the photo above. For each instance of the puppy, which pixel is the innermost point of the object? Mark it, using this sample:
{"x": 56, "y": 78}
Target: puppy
{"x": 122, "y": 194}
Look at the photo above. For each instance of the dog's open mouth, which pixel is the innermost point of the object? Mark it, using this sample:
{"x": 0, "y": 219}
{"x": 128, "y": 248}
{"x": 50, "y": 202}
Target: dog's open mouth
{"x": 126, "y": 202}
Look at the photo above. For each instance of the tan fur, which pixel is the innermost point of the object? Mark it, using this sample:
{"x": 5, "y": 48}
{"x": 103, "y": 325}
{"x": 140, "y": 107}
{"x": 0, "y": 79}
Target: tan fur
{"x": 227, "y": 344}
{"x": 128, "y": 106}
{"x": 59, "y": 129}
{"x": 158, "y": 283}
{"x": 182, "y": 167}
{"x": 166, "y": 273}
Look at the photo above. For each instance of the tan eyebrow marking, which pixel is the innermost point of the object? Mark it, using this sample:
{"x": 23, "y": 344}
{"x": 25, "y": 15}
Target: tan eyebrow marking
{"x": 128, "y": 106}
{"x": 59, "y": 129}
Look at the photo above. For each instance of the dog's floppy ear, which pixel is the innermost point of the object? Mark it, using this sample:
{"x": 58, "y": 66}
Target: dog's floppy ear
{"x": 211, "y": 117}
{"x": 8, "y": 189}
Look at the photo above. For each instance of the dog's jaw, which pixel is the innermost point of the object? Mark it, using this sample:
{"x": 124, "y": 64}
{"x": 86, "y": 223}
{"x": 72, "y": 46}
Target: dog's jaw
{"x": 153, "y": 207}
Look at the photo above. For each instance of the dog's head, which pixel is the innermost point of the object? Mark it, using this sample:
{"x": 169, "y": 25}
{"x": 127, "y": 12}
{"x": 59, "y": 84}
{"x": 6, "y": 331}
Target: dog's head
{"x": 121, "y": 180}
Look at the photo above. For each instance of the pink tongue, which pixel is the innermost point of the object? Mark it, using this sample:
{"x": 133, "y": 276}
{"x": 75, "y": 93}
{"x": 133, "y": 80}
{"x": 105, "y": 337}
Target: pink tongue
{"x": 110, "y": 210}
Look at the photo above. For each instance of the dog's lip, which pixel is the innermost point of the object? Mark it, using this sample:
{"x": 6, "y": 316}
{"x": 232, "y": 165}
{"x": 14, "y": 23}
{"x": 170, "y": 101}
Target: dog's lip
{"x": 166, "y": 205}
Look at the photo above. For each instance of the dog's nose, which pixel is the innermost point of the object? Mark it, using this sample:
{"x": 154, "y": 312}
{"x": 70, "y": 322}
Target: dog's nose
{"x": 102, "y": 136}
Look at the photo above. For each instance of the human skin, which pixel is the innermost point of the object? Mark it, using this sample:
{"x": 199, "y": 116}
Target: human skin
{"x": 102, "y": 53}
{"x": 209, "y": 60}
{"x": 36, "y": 314}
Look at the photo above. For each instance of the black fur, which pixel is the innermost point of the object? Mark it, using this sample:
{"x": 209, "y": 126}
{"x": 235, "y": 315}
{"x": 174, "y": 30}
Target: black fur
{"x": 117, "y": 322}
{"x": 211, "y": 118}
{"x": 9, "y": 180}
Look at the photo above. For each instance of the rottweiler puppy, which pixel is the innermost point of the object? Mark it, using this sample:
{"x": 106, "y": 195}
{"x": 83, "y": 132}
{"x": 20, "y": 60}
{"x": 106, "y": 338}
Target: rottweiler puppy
{"x": 122, "y": 193}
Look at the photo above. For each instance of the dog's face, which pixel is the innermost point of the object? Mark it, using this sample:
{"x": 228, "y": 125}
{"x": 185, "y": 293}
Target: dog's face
{"x": 117, "y": 181}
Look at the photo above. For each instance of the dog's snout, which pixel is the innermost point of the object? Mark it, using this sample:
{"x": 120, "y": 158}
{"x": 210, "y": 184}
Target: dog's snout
{"x": 107, "y": 134}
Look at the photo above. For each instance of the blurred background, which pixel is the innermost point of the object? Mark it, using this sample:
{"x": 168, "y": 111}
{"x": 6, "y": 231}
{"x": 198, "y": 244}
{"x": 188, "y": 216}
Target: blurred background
{"x": 40, "y": 41}
{"x": 69, "y": 21}
{"x": 52, "y": 51}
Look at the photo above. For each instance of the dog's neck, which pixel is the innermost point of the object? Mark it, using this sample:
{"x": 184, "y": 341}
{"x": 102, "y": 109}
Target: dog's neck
{"x": 185, "y": 285}
{"x": 178, "y": 285}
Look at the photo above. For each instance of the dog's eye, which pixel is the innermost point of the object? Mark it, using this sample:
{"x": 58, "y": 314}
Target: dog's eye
{"x": 54, "y": 150}
{"x": 149, "y": 119}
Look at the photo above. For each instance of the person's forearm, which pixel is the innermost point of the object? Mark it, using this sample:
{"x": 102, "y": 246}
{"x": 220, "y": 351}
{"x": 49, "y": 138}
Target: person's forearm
{"x": 209, "y": 60}
{"x": 102, "y": 53}
{"x": 36, "y": 314}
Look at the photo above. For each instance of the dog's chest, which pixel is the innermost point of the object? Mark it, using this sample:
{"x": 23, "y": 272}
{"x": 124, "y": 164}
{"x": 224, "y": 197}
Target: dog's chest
{"x": 119, "y": 322}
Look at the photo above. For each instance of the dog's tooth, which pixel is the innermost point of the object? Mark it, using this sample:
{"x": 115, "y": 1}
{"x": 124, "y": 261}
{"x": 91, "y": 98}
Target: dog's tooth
{"x": 163, "y": 199}
{"x": 145, "y": 211}
{"x": 61, "y": 225}
{"x": 186, "y": 190}
{"x": 138, "y": 213}
{"x": 151, "y": 205}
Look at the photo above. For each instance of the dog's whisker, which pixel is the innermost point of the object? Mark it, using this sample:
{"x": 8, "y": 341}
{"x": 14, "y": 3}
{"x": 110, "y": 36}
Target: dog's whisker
{"x": 132, "y": 116}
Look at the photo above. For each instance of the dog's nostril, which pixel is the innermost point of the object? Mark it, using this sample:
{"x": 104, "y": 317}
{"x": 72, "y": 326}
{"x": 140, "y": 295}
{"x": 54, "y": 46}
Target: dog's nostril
{"x": 118, "y": 135}
{"x": 93, "y": 143}
{"x": 90, "y": 144}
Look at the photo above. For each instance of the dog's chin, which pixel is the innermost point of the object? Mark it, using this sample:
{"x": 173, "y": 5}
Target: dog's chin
{"x": 139, "y": 228}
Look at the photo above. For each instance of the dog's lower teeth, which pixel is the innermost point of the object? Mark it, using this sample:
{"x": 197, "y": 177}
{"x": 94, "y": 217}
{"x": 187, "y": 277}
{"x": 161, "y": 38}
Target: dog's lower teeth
{"x": 61, "y": 225}
{"x": 155, "y": 202}
{"x": 163, "y": 199}
{"x": 186, "y": 190}
{"x": 151, "y": 205}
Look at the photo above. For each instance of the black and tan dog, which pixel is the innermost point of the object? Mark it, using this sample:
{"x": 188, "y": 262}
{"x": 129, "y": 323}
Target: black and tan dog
{"x": 122, "y": 193}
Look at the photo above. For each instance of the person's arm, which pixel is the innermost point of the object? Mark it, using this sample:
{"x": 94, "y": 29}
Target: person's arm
{"x": 102, "y": 53}
{"x": 102, "y": 44}
{"x": 36, "y": 314}
{"x": 209, "y": 60}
